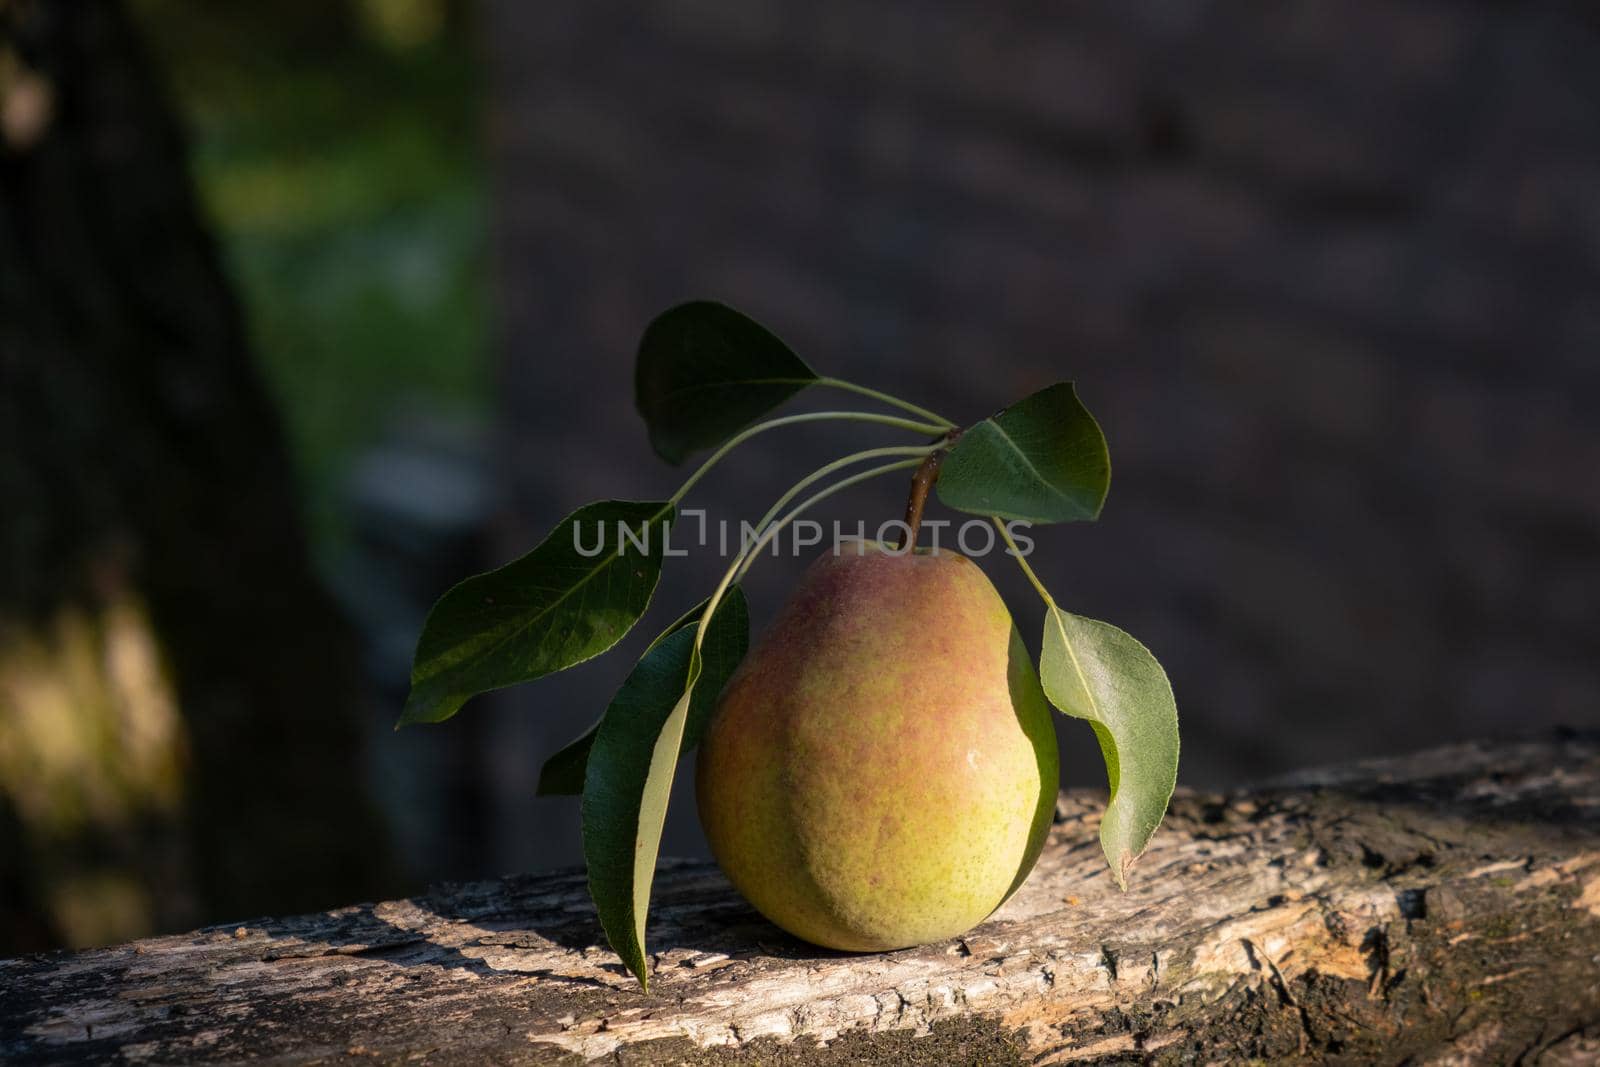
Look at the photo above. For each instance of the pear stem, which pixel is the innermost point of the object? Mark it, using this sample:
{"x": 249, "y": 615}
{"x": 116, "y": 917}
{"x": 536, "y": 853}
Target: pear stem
{"x": 927, "y": 472}
{"x": 922, "y": 481}
{"x": 789, "y": 420}
{"x": 822, "y": 472}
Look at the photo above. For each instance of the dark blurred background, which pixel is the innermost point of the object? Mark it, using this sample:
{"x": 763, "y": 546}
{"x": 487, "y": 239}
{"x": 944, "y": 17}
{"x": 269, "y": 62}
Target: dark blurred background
{"x": 309, "y": 309}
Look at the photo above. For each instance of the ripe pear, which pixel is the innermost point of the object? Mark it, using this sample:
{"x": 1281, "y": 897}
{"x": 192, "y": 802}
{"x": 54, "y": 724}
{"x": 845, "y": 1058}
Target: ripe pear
{"x": 881, "y": 770}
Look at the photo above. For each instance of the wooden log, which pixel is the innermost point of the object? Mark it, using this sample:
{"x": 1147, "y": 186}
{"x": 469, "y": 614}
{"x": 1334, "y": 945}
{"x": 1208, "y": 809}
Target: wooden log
{"x": 1440, "y": 908}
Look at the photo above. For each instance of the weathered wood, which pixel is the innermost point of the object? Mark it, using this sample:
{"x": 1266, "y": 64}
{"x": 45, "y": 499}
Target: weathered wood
{"x": 1441, "y": 908}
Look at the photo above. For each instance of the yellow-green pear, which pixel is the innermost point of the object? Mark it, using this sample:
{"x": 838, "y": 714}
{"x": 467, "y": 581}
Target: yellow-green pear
{"x": 881, "y": 770}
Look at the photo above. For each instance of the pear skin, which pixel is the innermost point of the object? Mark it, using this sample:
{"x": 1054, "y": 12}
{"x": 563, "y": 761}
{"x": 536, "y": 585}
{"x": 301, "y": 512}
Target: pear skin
{"x": 881, "y": 771}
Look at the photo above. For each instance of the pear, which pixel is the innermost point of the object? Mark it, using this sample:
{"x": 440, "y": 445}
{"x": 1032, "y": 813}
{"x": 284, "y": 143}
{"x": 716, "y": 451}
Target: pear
{"x": 881, "y": 770}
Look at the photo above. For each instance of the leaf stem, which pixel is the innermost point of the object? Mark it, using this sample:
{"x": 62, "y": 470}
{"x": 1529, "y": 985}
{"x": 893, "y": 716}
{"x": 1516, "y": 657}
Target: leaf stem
{"x": 797, "y": 488}
{"x": 772, "y": 529}
{"x": 1022, "y": 561}
{"x": 887, "y": 398}
{"x": 789, "y": 420}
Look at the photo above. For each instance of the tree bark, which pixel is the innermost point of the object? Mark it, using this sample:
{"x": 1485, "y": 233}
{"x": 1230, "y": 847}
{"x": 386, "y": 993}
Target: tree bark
{"x": 179, "y": 703}
{"x": 1440, "y": 908}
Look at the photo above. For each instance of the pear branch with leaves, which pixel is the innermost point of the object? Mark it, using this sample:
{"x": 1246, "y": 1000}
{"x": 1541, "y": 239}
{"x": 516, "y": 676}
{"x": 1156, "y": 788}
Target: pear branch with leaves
{"x": 706, "y": 377}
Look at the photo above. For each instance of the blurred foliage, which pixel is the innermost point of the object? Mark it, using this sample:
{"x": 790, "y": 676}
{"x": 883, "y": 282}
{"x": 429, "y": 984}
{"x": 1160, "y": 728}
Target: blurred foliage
{"x": 92, "y": 760}
{"x": 335, "y": 145}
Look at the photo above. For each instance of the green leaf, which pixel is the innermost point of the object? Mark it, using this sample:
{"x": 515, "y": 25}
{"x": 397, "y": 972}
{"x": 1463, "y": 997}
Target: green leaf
{"x": 1042, "y": 459}
{"x": 705, "y": 372}
{"x": 555, "y": 607}
{"x": 667, "y": 698}
{"x": 1094, "y": 671}
{"x": 562, "y": 774}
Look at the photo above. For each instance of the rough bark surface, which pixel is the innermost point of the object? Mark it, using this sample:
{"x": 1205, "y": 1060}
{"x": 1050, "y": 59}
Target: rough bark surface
{"x": 1439, "y": 908}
